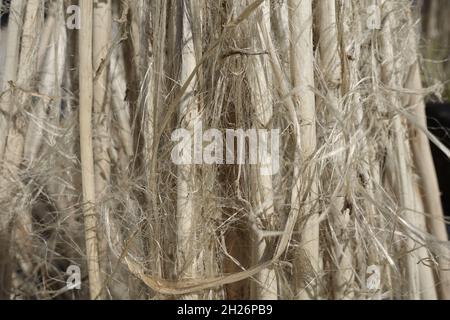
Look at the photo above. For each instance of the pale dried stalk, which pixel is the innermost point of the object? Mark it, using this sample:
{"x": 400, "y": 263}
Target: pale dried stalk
{"x": 30, "y": 39}
{"x": 120, "y": 107}
{"x": 207, "y": 247}
{"x": 101, "y": 118}
{"x": 135, "y": 14}
{"x": 375, "y": 169}
{"x": 26, "y": 75}
{"x": 307, "y": 259}
{"x": 428, "y": 288}
{"x": 51, "y": 66}
{"x": 428, "y": 182}
{"x": 426, "y": 187}
{"x": 265, "y": 286}
{"x": 11, "y": 65}
{"x": 187, "y": 261}
{"x": 44, "y": 120}
{"x": 283, "y": 86}
{"x": 47, "y": 34}
{"x": 9, "y": 74}
{"x": 10, "y": 185}
{"x": 153, "y": 103}
{"x": 429, "y": 187}
{"x": 371, "y": 164}
{"x": 330, "y": 66}
{"x": 400, "y": 149}
{"x": 330, "y": 62}
{"x": 86, "y": 148}
{"x": 280, "y": 22}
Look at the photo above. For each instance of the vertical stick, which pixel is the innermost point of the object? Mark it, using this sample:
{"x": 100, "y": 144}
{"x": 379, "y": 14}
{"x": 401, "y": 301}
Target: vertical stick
{"x": 15, "y": 144}
{"x": 101, "y": 45}
{"x": 10, "y": 74}
{"x": 187, "y": 263}
{"x": 428, "y": 182}
{"x": 260, "y": 82}
{"x": 11, "y": 64}
{"x": 306, "y": 265}
{"x": 330, "y": 66}
{"x": 400, "y": 148}
{"x": 87, "y": 157}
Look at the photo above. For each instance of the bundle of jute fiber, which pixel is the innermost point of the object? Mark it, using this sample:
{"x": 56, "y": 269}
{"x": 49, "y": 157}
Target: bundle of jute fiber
{"x": 231, "y": 149}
